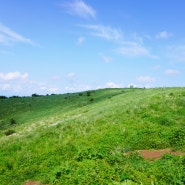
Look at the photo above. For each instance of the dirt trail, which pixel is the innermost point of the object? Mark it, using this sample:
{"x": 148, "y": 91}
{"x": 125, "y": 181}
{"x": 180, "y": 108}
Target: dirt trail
{"x": 32, "y": 183}
{"x": 157, "y": 154}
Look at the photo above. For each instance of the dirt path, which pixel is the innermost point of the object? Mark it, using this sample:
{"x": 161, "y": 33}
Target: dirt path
{"x": 32, "y": 183}
{"x": 157, "y": 154}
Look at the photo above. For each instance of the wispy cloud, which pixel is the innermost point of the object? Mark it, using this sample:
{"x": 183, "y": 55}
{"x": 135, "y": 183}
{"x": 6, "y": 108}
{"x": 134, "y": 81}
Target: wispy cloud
{"x": 104, "y": 32}
{"x": 13, "y": 76}
{"x": 145, "y": 79}
{"x": 172, "y": 72}
{"x": 113, "y": 85}
{"x": 80, "y": 40}
{"x": 131, "y": 47}
{"x": 47, "y": 89}
{"x": 106, "y": 59}
{"x": 176, "y": 53}
{"x": 164, "y": 35}
{"x": 71, "y": 75}
{"x": 7, "y": 36}
{"x": 79, "y": 8}
{"x": 134, "y": 50}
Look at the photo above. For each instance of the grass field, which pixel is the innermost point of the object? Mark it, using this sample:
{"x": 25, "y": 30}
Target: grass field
{"x": 84, "y": 138}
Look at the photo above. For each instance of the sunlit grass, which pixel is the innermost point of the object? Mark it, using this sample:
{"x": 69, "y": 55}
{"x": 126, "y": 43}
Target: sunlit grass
{"x": 72, "y": 139}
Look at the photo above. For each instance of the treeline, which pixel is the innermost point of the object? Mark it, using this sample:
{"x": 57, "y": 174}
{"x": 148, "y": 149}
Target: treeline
{"x": 33, "y": 95}
{"x": 88, "y": 93}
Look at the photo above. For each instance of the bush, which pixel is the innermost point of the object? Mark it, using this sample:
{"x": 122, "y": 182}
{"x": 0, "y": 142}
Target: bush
{"x": 9, "y": 132}
{"x": 80, "y": 94}
{"x": 14, "y": 97}
{"x": 12, "y": 121}
{"x": 91, "y": 99}
{"x": 3, "y": 97}
{"x": 88, "y": 93}
{"x": 35, "y": 95}
{"x": 177, "y": 140}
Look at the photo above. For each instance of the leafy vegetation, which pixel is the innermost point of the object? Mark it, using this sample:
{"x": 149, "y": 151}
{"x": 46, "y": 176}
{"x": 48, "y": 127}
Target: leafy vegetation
{"x": 84, "y": 138}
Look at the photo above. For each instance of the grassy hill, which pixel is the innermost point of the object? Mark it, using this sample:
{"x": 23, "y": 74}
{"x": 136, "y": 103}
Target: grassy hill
{"x": 85, "y": 138}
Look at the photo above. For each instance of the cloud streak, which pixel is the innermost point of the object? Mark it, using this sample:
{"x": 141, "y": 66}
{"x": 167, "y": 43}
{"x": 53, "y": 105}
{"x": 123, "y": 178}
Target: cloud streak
{"x": 79, "y": 8}
{"x": 104, "y": 32}
{"x": 172, "y": 72}
{"x": 133, "y": 47}
{"x": 134, "y": 50}
{"x": 7, "y": 35}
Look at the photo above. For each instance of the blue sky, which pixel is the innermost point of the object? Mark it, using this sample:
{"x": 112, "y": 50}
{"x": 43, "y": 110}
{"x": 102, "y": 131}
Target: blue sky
{"x": 62, "y": 46}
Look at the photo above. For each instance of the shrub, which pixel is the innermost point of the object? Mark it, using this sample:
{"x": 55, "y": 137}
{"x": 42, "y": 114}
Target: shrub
{"x": 91, "y": 99}
{"x": 177, "y": 140}
{"x": 3, "y": 97}
{"x": 14, "y": 97}
{"x": 88, "y": 93}
{"x": 80, "y": 94}
{"x": 35, "y": 95}
{"x": 9, "y": 132}
{"x": 12, "y": 121}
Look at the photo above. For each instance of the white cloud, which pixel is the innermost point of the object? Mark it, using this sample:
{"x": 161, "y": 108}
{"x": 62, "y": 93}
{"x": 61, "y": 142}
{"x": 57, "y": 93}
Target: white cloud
{"x": 71, "y": 75}
{"x": 177, "y": 53}
{"x": 113, "y": 85}
{"x": 7, "y": 36}
{"x": 13, "y": 76}
{"x": 132, "y": 47}
{"x": 18, "y": 83}
{"x": 145, "y": 79}
{"x": 53, "y": 89}
{"x": 79, "y": 8}
{"x": 134, "y": 50}
{"x": 106, "y": 59}
{"x": 164, "y": 35}
{"x": 5, "y": 87}
{"x": 105, "y": 32}
{"x": 12, "y": 87}
{"x": 172, "y": 72}
{"x": 81, "y": 40}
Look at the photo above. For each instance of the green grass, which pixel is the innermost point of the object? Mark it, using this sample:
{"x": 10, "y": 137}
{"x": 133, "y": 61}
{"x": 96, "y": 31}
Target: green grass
{"x": 81, "y": 138}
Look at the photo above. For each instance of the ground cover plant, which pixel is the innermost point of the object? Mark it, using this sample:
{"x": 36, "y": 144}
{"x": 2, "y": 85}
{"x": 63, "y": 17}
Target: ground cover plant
{"x": 93, "y": 137}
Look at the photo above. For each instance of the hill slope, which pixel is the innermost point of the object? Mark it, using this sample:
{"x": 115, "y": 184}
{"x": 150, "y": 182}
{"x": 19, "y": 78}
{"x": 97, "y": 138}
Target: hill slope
{"x": 83, "y": 138}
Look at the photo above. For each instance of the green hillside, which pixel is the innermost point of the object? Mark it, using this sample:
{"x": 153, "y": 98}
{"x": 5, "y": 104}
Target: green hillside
{"x": 86, "y": 138}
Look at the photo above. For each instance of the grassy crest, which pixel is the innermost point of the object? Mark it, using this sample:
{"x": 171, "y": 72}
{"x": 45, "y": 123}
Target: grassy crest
{"x": 83, "y": 138}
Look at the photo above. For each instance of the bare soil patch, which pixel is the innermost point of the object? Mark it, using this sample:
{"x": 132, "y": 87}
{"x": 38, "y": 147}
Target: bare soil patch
{"x": 157, "y": 154}
{"x": 32, "y": 183}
